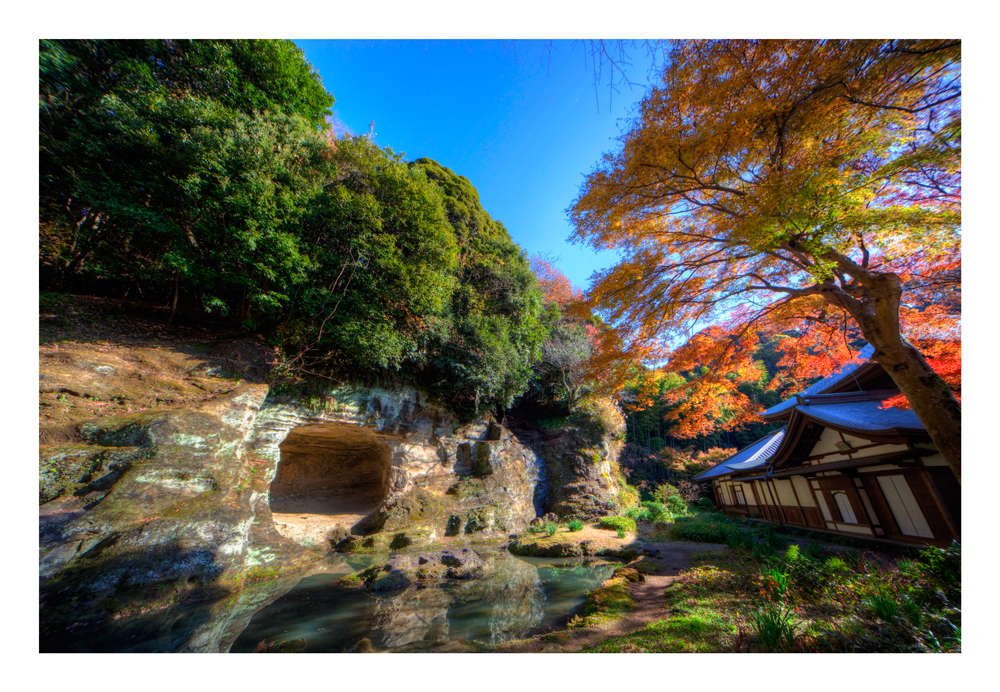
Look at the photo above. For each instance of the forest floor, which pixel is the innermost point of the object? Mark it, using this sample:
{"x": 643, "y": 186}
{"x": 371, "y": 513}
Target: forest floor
{"x": 101, "y": 357}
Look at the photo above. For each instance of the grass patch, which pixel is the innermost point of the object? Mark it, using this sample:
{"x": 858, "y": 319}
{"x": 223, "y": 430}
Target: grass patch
{"x": 696, "y": 633}
{"x": 645, "y": 566}
{"x": 605, "y": 604}
{"x": 807, "y": 601}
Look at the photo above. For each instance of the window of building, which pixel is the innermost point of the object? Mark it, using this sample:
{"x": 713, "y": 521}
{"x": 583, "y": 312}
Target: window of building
{"x": 844, "y": 505}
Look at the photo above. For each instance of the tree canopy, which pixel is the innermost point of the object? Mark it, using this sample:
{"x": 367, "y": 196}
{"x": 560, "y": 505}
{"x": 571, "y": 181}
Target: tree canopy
{"x": 186, "y": 158}
{"x": 795, "y": 187}
{"x": 202, "y": 173}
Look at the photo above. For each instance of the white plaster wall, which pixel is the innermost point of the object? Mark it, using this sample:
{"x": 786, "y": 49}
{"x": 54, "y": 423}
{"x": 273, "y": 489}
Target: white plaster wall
{"x": 802, "y": 488}
{"x": 786, "y": 495}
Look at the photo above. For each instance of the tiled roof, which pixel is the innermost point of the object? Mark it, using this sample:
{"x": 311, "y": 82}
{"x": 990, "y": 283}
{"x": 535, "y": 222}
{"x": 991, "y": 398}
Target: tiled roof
{"x": 863, "y": 415}
{"x": 827, "y": 382}
{"x": 756, "y": 454}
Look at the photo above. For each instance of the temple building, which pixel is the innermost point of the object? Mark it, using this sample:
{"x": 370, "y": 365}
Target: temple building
{"x": 843, "y": 464}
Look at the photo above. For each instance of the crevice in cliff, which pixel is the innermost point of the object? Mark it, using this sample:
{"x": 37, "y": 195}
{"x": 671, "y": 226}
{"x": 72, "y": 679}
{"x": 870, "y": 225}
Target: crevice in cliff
{"x": 329, "y": 478}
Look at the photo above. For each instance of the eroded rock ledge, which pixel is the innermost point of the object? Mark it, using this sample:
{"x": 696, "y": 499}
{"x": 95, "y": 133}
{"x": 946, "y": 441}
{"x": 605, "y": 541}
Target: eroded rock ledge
{"x": 184, "y": 507}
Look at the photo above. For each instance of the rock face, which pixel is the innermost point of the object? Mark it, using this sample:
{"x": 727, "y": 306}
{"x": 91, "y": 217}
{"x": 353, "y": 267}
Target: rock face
{"x": 162, "y": 506}
{"x": 200, "y": 488}
{"x": 581, "y": 464}
{"x": 153, "y": 510}
{"x": 373, "y": 470}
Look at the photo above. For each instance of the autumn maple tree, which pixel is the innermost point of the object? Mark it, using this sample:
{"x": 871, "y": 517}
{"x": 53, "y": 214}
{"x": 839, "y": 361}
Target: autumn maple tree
{"x": 789, "y": 187}
{"x": 556, "y": 287}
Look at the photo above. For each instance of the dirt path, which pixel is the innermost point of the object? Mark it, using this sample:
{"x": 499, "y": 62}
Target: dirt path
{"x": 673, "y": 556}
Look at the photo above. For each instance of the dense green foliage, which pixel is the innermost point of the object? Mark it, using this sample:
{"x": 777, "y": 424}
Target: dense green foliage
{"x": 651, "y": 511}
{"x": 200, "y": 174}
{"x": 618, "y": 523}
{"x": 182, "y": 163}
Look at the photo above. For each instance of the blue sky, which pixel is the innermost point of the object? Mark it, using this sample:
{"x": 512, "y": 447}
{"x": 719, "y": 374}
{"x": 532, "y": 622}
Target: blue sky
{"x": 523, "y": 123}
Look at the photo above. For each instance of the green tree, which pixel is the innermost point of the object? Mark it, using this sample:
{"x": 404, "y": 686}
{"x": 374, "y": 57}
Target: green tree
{"x": 384, "y": 260}
{"x": 486, "y": 357}
{"x": 179, "y": 161}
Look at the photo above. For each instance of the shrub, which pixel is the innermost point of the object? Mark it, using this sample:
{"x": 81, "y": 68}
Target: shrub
{"x": 775, "y": 585}
{"x": 814, "y": 550}
{"x": 638, "y": 512}
{"x": 617, "y": 523}
{"x": 576, "y": 525}
{"x": 835, "y": 565}
{"x": 908, "y": 568}
{"x": 676, "y": 504}
{"x": 657, "y": 511}
{"x": 699, "y": 529}
{"x": 854, "y": 560}
{"x": 943, "y": 568}
{"x": 649, "y": 511}
{"x": 551, "y": 528}
{"x": 912, "y": 610}
{"x": 807, "y": 576}
{"x": 627, "y": 497}
{"x": 883, "y": 607}
{"x": 772, "y": 623}
{"x": 621, "y": 533}
{"x": 738, "y": 538}
{"x": 664, "y": 492}
{"x": 706, "y": 504}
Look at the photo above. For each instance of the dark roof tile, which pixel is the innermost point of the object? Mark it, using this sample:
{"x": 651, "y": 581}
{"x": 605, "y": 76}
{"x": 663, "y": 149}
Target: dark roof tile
{"x": 755, "y": 455}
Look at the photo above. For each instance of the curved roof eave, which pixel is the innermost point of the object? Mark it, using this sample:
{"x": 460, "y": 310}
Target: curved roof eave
{"x": 783, "y": 410}
{"x": 751, "y": 456}
{"x": 897, "y": 423}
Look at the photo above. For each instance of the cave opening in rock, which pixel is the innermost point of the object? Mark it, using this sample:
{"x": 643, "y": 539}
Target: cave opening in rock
{"x": 329, "y": 478}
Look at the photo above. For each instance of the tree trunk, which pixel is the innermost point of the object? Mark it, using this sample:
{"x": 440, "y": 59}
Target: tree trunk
{"x": 173, "y": 307}
{"x": 929, "y": 395}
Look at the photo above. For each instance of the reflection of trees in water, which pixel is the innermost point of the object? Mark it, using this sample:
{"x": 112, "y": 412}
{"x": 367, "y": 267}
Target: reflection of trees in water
{"x": 507, "y": 603}
{"x": 503, "y": 605}
{"x": 518, "y": 602}
{"x": 418, "y": 613}
{"x": 515, "y": 617}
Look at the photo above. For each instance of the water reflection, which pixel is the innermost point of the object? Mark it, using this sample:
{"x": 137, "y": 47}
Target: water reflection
{"x": 517, "y": 596}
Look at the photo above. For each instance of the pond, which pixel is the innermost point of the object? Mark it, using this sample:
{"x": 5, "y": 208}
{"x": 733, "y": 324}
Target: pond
{"x": 518, "y": 597}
